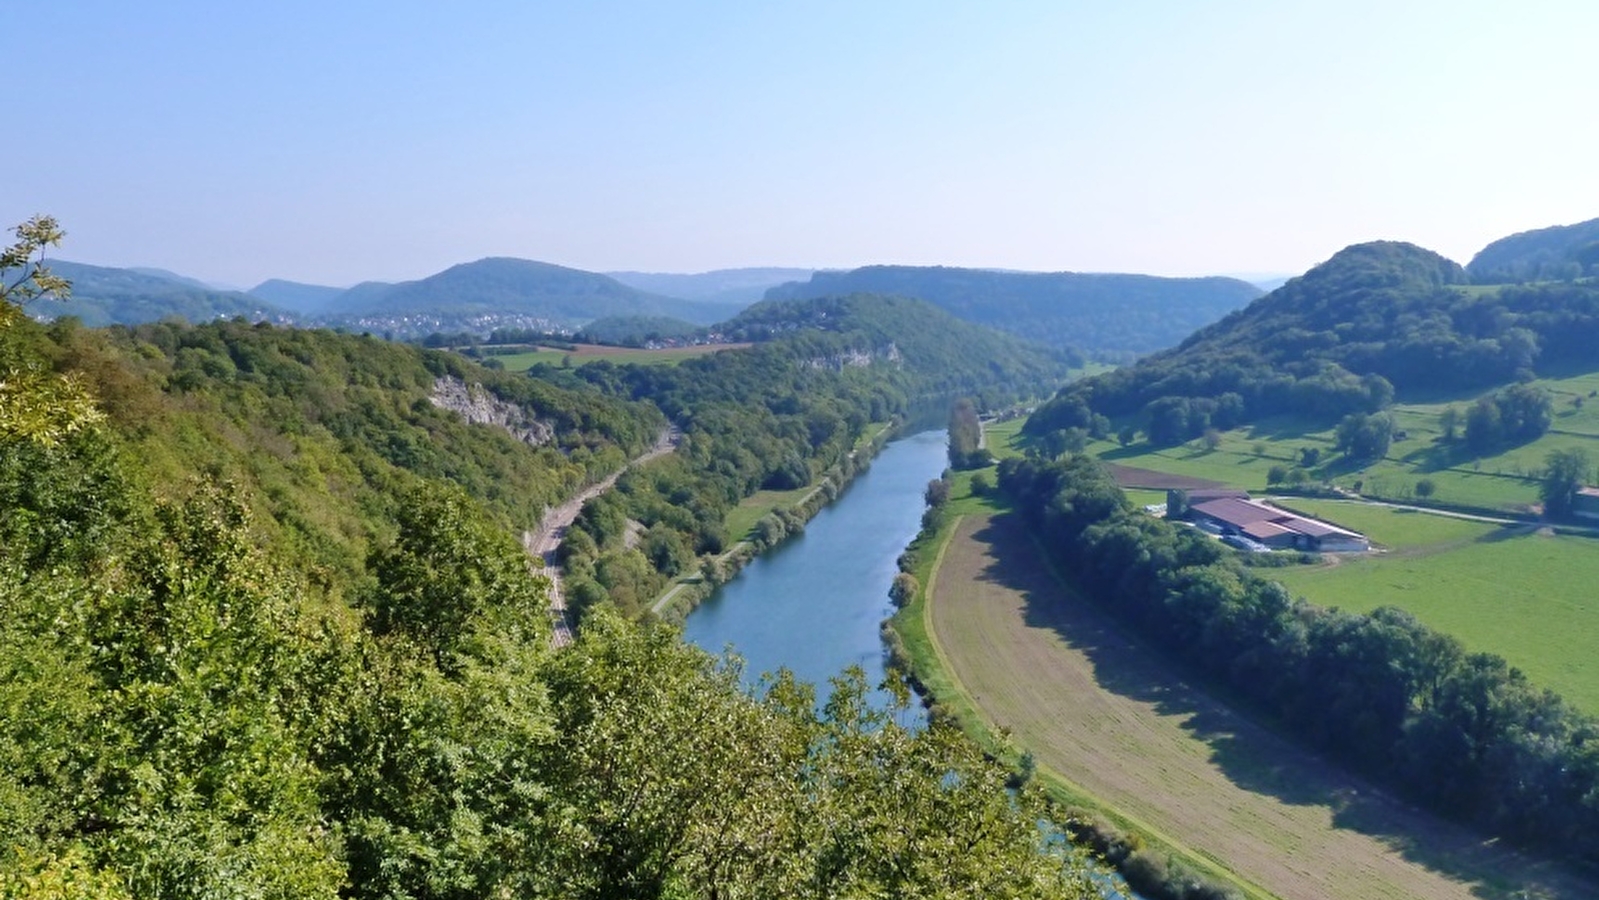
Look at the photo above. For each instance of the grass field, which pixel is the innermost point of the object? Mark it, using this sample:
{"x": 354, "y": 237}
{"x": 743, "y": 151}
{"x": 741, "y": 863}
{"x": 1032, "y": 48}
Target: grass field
{"x": 1109, "y": 720}
{"x": 1524, "y": 594}
{"x": 1506, "y": 480}
{"x": 585, "y": 353}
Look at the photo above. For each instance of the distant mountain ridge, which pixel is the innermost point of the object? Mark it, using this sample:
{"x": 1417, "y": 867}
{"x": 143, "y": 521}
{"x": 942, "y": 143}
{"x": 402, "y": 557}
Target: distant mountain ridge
{"x": 726, "y": 286}
{"x": 1109, "y": 316}
{"x": 501, "y": 291}
{"x": 303, "y": 299}
{"x": 103, "y": 295}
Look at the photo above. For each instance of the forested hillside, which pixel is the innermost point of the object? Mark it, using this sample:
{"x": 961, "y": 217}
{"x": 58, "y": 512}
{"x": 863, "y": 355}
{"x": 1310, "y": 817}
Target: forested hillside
{"x": 103, "y": 296}
{"x": 264, "y": 632}
{"x": 1342, "y": 339}
{"x": 1109, "y": 317}
{"x": 1559, "y": 253}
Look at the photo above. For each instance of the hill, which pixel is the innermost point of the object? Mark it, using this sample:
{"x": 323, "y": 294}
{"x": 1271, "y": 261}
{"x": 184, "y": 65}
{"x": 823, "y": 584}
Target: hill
{"x": 1562, "y": 252}
{"x": 304, "y": 299}
{"x": 1110, "y": 317}
{"x": 503, "y": 292}
{"x": 947, "y": 355}
{"x": 1374, "y": 319}
{"x": 111, "y": 296}
{"x": 731, "y": 287}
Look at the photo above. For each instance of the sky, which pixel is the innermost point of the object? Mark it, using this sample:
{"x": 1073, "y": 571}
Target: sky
{"x": 337, "y": 142}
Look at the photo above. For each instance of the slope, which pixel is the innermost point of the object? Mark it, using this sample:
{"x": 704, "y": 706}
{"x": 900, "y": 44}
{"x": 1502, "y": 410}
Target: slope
{"x": 1555, "y": 253}
{"x": 495, "y": 292}
{"x": 105, "y": 296}
{"x": 1111, "y": 317}
{"x": 1374, "y": 319}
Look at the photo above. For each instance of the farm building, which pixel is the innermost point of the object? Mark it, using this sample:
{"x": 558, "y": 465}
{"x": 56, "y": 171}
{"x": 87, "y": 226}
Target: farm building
{"x": 1277, "y": 529}
{"x": 1586, "y": 503}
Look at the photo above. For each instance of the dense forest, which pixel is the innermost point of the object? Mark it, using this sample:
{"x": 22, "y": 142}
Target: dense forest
{"x": 1462, "y": 733}
{"x": 264, "y": 631}
{"x": 1560, "y": 253}
{"x": 1110, "y": 317}
{"x": 1375, "y": 320}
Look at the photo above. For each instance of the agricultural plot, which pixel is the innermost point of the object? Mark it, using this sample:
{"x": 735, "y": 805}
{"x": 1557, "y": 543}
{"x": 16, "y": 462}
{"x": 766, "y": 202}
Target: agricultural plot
{"x": 586, "y": 353}
{"x": 1506, "y": 480}
{"x": 1523, "y": 593}
{"x": 1113, "y": 721}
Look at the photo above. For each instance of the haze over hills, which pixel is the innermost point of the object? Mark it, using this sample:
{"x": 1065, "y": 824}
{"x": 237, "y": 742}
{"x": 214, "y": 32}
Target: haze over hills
{"x": 1557, "y": 253}
{"x": 727, "y": 286}
{"x": 1112, "y": 317}
{"x": 296, "y": 297}
{"x": 105, "y": 296}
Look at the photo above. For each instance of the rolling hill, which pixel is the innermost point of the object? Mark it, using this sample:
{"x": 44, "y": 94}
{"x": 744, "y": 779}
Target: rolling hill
{"x": 303, "y": 299}
{"x": 1374, "y": 319}
{"x": 1562, "y": 252}
{"x": 499, "y": 291}
{"x": 1110, "y": 317}
{"x": 103, "y": 295}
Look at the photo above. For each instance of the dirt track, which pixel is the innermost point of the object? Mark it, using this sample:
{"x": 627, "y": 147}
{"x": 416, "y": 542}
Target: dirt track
{"x": 1105, "y": 714}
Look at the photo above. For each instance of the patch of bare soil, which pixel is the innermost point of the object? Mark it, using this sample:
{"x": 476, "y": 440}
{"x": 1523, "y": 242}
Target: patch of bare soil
{"x": 1149, "y": 479}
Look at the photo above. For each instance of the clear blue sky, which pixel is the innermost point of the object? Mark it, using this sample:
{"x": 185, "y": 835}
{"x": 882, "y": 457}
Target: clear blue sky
{"x": 335, "y": 142}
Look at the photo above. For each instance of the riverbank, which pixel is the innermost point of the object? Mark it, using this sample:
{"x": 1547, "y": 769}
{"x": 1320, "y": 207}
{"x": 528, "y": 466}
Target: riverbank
{"x": 772, "y": 527}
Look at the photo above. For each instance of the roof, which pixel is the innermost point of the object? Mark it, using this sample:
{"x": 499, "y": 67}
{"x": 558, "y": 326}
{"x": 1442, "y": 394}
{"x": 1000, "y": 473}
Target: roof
{"x": 1238, "y": 512}
{"x": 1262, "y": 530}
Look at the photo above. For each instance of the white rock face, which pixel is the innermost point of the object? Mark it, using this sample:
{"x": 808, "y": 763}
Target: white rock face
{"x": 479, "y": 407}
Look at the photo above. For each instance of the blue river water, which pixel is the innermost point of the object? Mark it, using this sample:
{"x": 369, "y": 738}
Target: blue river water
{"x": 814, "y": 605}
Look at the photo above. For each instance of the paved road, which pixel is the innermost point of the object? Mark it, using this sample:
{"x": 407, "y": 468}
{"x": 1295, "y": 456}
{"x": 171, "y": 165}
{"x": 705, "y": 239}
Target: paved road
{"x": 543, "y": 542}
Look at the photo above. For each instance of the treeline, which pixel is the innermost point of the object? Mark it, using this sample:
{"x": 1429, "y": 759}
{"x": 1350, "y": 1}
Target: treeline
{"x": 1463, "y": 733}
{"x": 188, "y": 710}
{"x": 1374, "y": 320}
{"x": 941, "y": 356}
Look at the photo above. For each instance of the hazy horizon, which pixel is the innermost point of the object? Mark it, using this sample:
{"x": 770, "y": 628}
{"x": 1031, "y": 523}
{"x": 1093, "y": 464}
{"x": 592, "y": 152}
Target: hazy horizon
{"x": 333, "y": 144}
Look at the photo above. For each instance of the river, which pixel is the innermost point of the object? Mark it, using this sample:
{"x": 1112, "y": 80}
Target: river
{"x": 814, "y": 604}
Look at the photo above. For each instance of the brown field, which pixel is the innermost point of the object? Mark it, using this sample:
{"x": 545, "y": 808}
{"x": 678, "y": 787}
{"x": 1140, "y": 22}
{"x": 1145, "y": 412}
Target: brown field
{"x": 1134, "y": 477}
{"x": 1106, "y": 715}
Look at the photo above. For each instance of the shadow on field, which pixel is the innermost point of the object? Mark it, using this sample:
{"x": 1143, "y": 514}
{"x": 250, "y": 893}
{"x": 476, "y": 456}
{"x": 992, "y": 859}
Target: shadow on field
{"x": 1249, "y": 755}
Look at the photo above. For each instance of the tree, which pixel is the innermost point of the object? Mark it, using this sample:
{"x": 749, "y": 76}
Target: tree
{"x": 1425, "y": 488}
{"x": 1565, "y": 472}
{"x": 31, "y": 279}
{"x": 1364, "y": 436}
{"x": 1449, "y": 421}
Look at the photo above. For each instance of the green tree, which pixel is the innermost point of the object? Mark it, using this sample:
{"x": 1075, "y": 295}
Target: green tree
{"x": 1565, "y": 473}
{"x": 24, "y": 277}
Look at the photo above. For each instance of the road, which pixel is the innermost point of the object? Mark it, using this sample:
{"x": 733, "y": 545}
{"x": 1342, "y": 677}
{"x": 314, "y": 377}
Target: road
{"x": 542, "y": 543}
